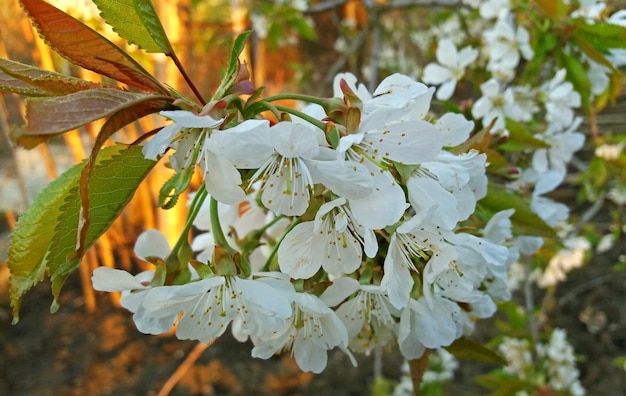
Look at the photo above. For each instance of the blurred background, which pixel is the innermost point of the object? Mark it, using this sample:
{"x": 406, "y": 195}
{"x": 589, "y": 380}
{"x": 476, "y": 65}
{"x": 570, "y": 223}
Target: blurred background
{"x": 91, "y": 347}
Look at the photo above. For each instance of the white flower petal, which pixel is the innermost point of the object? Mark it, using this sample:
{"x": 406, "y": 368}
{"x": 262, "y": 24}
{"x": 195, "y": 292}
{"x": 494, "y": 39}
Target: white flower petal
{"x": 436, "y": 74}
{"x": 446, "y": 90}
{"x": 454, "y": 128}
{"x": 114, "y": 280}
{"x": 152, "y": 243}
{"x": 345, "y": 178}
{"x": 384, "y": 206}
{"x": 160, "y": 142}
{"x": 340, "y": 289}
{"x": 187, "y": 119}
{"x": 222, "y": 179}
{"x": 407, "y": 142}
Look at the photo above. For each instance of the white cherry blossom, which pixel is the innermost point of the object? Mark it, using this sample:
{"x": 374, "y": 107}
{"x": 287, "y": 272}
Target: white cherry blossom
{"x": 506, "y": 45}
{"x": 333, "y": 242}
{"x": 428, "y": 325}
{"x": 563, "y": 144}
{"x": 369, "y": 317}
{"x": 384, "y": 135}
{"x": 451, "y": 184}
{"x": 450, "y": 69}
{"x": 309, "y": 333}
{"x": 560, "y": 101}
{"x": 495, "y": 104}
{"x": 417, "y": 240}
{"x": 190, "y": 135}
{"x": 290, "y": 160}
{"x": 209, "y": 305}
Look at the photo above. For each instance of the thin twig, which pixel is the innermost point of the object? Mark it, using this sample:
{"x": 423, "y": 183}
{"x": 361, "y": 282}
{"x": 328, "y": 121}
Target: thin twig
{"x": 186, "y": 77}
{"x": 354, "y": 46}
{"x": 588, "y": 215}
{"x": 189, "y": 361}
{"x": 593, "y": 283}
{"x": 376, "y": 44}
{"x": 529, "y": 302}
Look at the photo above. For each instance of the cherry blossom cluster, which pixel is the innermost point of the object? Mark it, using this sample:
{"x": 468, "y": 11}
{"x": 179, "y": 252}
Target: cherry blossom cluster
{"x": 336, "y": 228}
{"x": 556, "y": 367}
{"x": 548, "y": 109}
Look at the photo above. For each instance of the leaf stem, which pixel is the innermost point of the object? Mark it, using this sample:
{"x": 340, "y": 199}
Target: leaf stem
{"x": 252, "y": 109}
{"x": 270, "y": 257}
{"x": 293, "y": 96}
{"x": 182, "y": 71}
{"x": 194, "y": 209}
{"x": 321, "y": 125}
{"x": 216, "y": 228}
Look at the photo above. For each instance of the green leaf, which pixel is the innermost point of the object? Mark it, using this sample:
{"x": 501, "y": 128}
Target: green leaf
{"x": 521, "y": 138}
{"x": 176, "y": 185}
{"x": 28, "y": 80}
{"x": 32, "y": 235}
{"x": 85, "y": 47}
{"x": 577, "y": 75}
{"x": 235, "y": 52}
{"x": 602, "y": 35}
{"x": 113, "y": 124}
{"x": 137, "y": 22}
{"x": 50, "y": 116}
{"x": 545, "y": 44}
{"x": 115, "y": 177}
{"x": 467, "y": 349}
{"x": 233, "y": 65}
{"x": 46, "y": 234}
{"x": 524, "y": 220}
{"x": 303, "y": 28}
{"x": 593, "y": 53}
{"x": 504, "y": 385}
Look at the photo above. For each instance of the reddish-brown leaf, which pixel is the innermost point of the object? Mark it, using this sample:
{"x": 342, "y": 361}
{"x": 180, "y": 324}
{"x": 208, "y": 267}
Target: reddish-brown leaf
{"x": 50, "y": 116}
{"x": 29, "y": 80}
{"x": 85, "y": 47}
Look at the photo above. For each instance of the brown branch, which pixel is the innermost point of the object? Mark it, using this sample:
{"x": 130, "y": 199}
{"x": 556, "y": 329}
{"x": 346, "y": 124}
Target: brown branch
{"x": 189, "y": 361}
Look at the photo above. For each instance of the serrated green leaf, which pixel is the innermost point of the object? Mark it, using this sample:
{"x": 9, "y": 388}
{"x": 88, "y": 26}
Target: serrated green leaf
{"x": 32, "y": 235}
{"x": 50, "y": 116}
{"x": 46, "y": 234}
{"x": 113, "y": 124}
{"x": 467, "y": 349}
{"x": 114, "y": 181}
{"x": 137, "y": 22}
{"x": 87, "y": 48}
{"x": 524, "y": 221}
{"x": 27, "y": 80}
